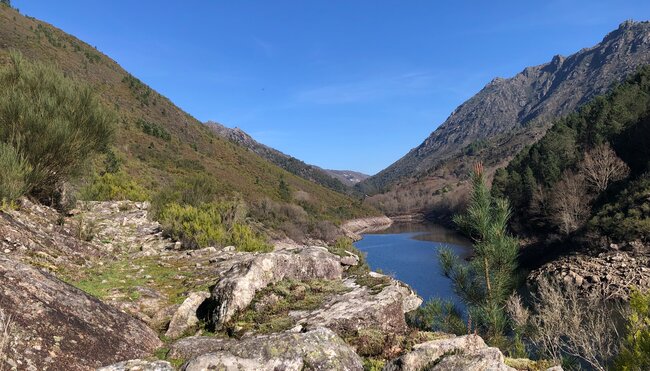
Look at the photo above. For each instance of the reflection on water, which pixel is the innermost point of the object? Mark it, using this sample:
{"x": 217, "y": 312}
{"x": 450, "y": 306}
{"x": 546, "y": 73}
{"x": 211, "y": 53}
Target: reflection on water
{"x": 409, "y": 252}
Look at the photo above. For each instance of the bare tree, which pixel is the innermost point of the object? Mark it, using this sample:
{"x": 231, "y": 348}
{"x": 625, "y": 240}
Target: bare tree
{"x": 569, "y": 205}
{"x": 601, "y": 166}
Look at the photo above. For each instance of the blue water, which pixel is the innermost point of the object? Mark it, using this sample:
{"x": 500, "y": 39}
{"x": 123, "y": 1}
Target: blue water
{"x": 410, "y": 254}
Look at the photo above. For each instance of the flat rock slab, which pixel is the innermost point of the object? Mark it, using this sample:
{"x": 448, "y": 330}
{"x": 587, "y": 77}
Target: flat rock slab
{"x": 58, "y": 327}
{"x": 319, "y": 349}
{"x": 139, "y": 365}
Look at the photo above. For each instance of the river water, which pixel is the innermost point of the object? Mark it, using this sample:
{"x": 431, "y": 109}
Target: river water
{"x": 409, "y": 252}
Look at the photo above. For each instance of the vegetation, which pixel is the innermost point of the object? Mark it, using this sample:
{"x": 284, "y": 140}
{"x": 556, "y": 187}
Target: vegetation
{"x": 269, "y": 311}
{"x": 438, "y": 315}
{"x": 562, "y": 326}
{"x": 635, "y": 348}
{"x": 113, "y": 186}
{"x": 13, "y": 178}
{"x": 49, "y": 126}
{"x": 589, "y": 170}
{"x": 485, "y": 283}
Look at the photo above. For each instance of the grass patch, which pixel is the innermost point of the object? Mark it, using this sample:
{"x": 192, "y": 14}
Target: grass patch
{"x": 123, "y": 277}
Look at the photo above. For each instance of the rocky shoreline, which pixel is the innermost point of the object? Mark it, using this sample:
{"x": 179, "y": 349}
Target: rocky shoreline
{"x": 297, "y": 307}
{"x": 356, "y": 227}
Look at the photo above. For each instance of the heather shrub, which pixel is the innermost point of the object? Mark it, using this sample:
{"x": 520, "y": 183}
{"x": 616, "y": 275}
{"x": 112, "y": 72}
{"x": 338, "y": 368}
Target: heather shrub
{"x": 13, "y": 177}
{"x": 216, "y": 223}
{"x": 113, "y": 186}
{"x": 55, "y": 123}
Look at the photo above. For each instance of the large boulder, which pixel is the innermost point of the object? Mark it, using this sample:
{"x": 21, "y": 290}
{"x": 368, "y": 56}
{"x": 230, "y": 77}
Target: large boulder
{"x": 360, "y": 308}
{"x": 185, "y": 318}
{"x": 58, "y": 327}
{"x": 240, "y": 283}
{"x": 319, "y": 349}
{"x": 467, "y": 352}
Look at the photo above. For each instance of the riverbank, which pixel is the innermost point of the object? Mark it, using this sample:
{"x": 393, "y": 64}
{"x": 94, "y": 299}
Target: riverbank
{"x": 356, "y": 227}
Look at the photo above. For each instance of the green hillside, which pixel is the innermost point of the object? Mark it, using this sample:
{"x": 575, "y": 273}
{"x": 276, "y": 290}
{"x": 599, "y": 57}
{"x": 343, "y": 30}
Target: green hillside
{"x": 157, "y": 144}
{"x": 589, "y": 175}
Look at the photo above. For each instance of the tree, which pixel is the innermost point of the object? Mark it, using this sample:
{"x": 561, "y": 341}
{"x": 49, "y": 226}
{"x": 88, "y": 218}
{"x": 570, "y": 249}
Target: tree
{"x": 635, "y": 348}
{"x": 569, "y": 205}
{"x": 486, "y": 282}
{"x": 601, "y": 166}
{"x": 6, "y": 2}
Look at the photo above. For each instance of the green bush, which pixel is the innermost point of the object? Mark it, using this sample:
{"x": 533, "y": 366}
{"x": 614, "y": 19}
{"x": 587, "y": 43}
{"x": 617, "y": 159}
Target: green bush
{"x": 56, "y": 123}
{"x": 217, "y": 223}
{"x": 635, "y": 350}
{"x": 245, "y": 239}
{"x": 13, "y": 182}
{"x": 113, "y": 186}
{"x": 194, "y": 226}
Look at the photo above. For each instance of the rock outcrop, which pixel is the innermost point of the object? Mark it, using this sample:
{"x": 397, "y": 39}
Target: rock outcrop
{"x": 240, "y": 283}
{"x": 360, "y": 309}
{"x": 185, "y": 317}
{"x": 58, "y": 327}
{"x": 455, "y": 353}
{"x": 609, "y": 275}
{"x": 139, "y": 365}
{"x": 319, "y": 349}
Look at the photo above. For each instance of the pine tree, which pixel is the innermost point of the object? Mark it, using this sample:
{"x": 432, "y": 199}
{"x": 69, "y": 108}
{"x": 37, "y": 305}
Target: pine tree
{"x": 484, "y": 283}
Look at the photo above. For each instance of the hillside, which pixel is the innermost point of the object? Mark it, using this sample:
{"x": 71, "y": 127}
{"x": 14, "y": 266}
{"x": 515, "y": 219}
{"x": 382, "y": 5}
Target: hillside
{"x": 590, "y": 171}
{"x": 288, "y": 163}
{"x": 156, "y": 142}
{"x": 504, "y": 117}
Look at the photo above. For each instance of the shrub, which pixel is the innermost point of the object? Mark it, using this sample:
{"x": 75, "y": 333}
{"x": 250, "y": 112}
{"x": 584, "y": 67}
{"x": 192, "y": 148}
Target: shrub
{"x": 56, "y": 123}
{"x": 245, "y": 239}
{"x": 13, "y": 182}
{"x": 635, "y": 348}
{"x": 217, "y": 223}
{"x": 194, "y": 226}
{"x": 110, "y": 187}
{"x": 564, "y": 325}
{"x": 438, "y": 315}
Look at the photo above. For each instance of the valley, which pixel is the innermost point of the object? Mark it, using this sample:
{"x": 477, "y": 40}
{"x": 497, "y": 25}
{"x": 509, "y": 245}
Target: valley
{"x": 136, "y": 237}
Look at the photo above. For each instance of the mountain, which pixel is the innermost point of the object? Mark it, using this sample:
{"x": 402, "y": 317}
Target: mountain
{"x": 288, "y": 163}
{"x": 348, "y": 177}
{"x": 157, "y": 143}
{"x": 504, "y": 117}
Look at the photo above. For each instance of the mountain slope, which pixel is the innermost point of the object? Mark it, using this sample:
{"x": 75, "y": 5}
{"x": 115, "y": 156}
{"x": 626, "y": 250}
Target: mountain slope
{"x": 508, "y": 114}
{"x": 289, "y": 163}
{"x": 157, "y": 143}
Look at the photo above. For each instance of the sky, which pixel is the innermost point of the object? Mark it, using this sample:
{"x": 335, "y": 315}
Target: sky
{"x": 342, "y": 84}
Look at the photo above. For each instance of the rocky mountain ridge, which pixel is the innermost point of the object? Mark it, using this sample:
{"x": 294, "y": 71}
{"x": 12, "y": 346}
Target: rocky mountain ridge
{"x": 508, "y": 114}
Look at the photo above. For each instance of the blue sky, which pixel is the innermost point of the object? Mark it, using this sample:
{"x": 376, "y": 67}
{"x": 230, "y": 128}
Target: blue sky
{"x": 342, "y": 84}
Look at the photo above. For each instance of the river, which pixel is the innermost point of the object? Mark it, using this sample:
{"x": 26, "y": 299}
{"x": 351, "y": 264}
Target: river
{"x": 409, "y": 252}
